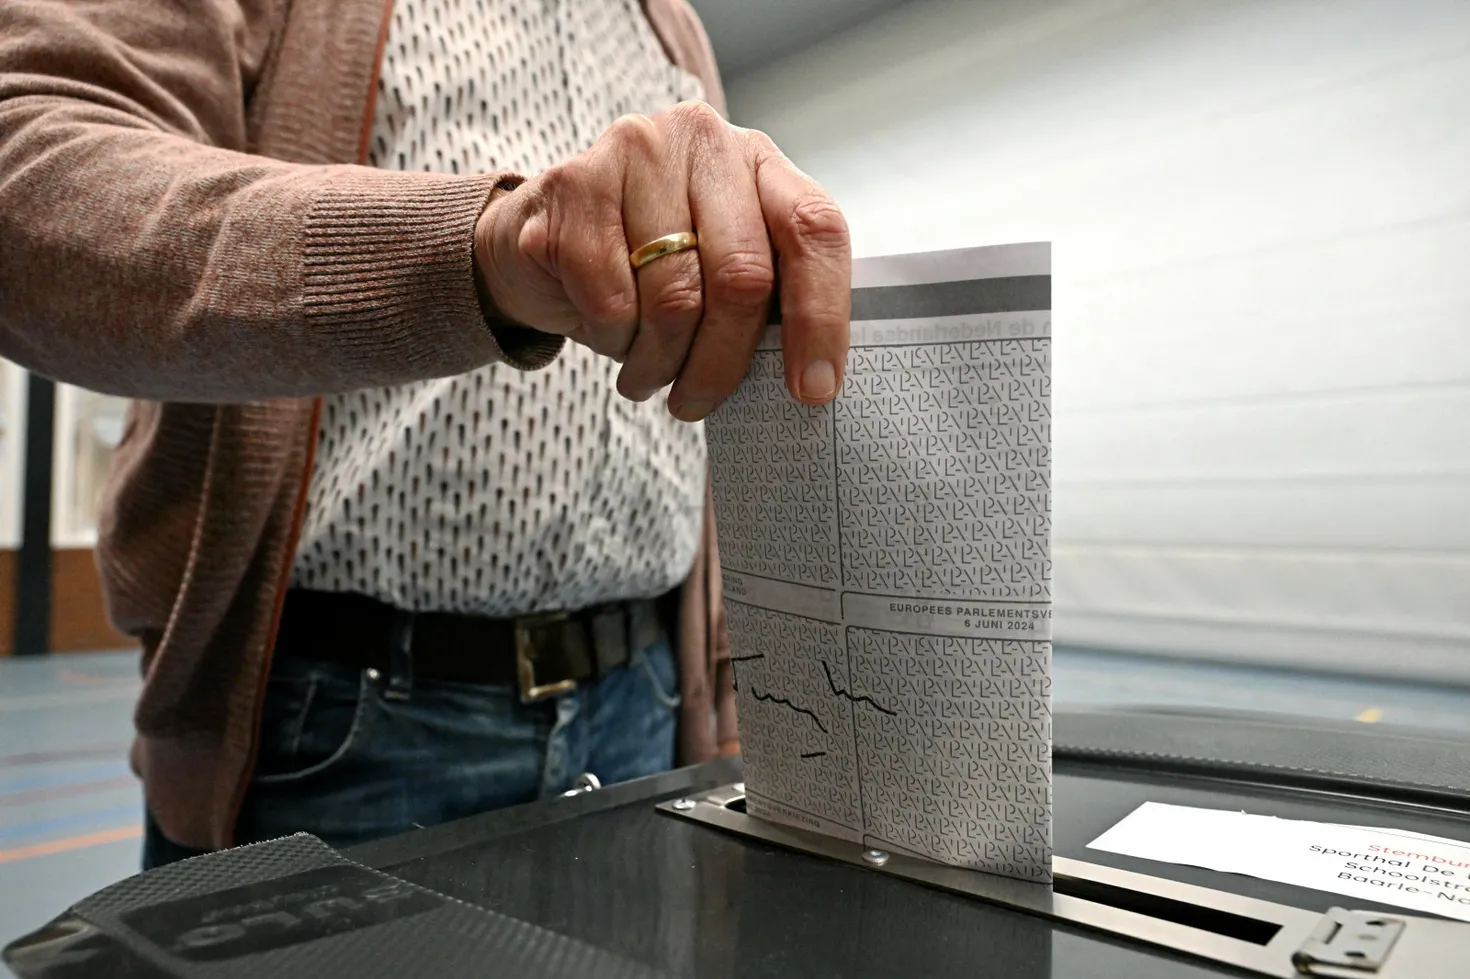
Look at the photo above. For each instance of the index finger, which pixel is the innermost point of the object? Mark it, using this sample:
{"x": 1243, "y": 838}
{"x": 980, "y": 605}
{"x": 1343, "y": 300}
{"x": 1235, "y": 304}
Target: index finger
{"x": 814, "y": 259}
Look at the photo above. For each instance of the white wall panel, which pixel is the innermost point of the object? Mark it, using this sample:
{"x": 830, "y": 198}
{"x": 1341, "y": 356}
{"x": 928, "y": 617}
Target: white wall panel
{"x": 1371, "y": 514}
{"x": 1261, "y": 222}
{"x": 1390, "y": 431}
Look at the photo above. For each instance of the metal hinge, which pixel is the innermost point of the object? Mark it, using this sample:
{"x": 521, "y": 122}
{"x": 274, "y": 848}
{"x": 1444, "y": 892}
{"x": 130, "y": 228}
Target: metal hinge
{"x": 1343, "y": 939}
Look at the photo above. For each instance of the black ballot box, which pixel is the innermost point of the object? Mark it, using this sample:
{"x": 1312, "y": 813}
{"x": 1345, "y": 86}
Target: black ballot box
{"x": 623, "y": 881}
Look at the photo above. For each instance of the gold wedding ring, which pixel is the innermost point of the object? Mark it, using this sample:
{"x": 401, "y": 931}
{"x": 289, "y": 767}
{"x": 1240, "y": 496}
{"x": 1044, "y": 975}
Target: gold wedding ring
{"x": 659, "y": 247}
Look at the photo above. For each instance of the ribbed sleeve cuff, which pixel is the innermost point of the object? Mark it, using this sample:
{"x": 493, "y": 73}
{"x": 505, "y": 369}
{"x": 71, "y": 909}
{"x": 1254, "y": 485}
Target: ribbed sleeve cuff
{"x": 389, "y": 269}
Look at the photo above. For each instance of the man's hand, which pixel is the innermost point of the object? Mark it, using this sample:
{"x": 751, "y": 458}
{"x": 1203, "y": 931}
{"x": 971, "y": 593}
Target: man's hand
{"x": 553, "y": 255}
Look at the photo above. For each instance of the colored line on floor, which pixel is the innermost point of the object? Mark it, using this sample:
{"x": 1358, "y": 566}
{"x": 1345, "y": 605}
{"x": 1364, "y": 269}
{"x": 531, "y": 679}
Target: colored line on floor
{"x": 110, "y": 751}
{"x": 69, "y": 843}
{"x": 90, "y": 695}
{"x": 32, "y": 796}
{"x": 71, "y": 821}
{"x": 46, "y": 780}
{"x": 74, "y": 676}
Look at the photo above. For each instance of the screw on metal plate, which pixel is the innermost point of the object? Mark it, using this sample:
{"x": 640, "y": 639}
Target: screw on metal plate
{"x": 684, "y": 805}
{"x": 875, "y": 857}
{"x": 1348, "y": 940}
{"x": 586, "y": 782}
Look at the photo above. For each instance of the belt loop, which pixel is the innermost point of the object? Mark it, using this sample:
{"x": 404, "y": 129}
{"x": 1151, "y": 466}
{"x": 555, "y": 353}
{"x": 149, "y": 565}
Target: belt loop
{"x": 645, "y": 622}
{"x": 637, "y": 627}
{"x": 609, "y": 630}
{"x": 400, "y": 657}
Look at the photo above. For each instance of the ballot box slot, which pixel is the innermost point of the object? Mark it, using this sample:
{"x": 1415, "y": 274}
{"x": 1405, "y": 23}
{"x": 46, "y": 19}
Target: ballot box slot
{"x": 1235, "y": 926}
{"x": 1258, "y": 937}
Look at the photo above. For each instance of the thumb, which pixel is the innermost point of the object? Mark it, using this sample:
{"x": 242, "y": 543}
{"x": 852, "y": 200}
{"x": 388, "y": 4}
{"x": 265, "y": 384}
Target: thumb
{"x": 555, "y": 257}
{"x": 513, "y": 263}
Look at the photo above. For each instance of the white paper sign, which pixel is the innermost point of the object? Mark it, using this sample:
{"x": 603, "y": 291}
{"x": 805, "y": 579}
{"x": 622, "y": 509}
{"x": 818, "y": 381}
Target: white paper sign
{"x": 887, "y": 568}
{"x": 1410, "y": 870}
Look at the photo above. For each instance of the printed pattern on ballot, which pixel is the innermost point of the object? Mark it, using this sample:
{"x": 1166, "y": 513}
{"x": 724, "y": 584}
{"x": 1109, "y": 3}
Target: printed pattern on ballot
{"x": 887, "y": 568}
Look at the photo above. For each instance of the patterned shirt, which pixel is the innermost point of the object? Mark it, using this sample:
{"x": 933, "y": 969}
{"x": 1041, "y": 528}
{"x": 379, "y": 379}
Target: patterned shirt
{"x": 502, "y": 492}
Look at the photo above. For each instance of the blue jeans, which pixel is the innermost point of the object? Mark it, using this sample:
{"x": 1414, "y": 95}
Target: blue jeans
{"x": 341, "y": 761}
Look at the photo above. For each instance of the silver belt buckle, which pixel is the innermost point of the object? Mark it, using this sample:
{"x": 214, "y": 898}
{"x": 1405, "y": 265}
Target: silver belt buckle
{"x": 531, "y": 691}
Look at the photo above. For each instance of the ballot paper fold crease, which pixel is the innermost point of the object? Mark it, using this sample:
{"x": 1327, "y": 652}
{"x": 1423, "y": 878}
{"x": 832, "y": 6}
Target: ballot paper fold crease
{"x": 887, "y": 567}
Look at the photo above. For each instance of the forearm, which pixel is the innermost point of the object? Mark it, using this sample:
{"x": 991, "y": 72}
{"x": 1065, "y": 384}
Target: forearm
{"x": 144, "y": 264}
{"x": 142, "y": 254}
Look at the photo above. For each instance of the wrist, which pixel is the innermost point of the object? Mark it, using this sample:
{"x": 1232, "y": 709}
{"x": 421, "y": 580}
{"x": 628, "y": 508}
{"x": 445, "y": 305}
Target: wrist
{"x": 484, "y": 246}
{"x": 522, "y": 346}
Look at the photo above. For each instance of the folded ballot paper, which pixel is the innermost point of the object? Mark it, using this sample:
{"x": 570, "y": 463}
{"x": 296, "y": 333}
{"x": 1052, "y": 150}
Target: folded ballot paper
{"x": 887, "y": 568}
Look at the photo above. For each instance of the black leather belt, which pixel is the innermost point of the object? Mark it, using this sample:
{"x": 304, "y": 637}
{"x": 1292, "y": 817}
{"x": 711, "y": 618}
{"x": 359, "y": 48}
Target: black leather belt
{"x": 544, "y": 655}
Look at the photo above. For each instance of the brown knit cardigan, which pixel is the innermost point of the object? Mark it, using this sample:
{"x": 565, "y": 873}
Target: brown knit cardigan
{"x": 184, "y": 221}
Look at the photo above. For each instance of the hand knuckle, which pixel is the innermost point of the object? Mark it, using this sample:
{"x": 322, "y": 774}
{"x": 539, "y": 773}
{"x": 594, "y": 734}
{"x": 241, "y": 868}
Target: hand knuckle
{"x": 760, "y": 142}
{"x": 635, "y": 133}
{"x": 818, "y": 221}
{"x": 698, "y": 114}
{"x": 553, "y": 181}
{"x": 591, "y": 177}
{"x": 612, "y": 307}
{"x": 742, "y": 277}
{"x": 676, "y": 300}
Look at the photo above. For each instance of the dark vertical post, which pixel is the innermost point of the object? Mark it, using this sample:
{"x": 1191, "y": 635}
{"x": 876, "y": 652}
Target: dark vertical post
{"x": 33, "y": 567}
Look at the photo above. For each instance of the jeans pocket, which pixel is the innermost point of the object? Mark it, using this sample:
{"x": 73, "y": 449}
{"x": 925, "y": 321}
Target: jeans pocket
{"x": 657, "y": 665}
{"x": 312, "y": 721}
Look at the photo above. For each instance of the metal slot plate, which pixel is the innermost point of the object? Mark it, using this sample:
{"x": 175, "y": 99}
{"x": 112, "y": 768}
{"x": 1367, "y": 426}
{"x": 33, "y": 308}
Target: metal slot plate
{"x": 1306, "y": 942}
